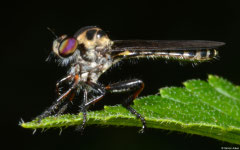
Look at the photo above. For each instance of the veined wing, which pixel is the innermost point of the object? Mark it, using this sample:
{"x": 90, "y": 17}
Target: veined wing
{"x": 190, "y": 50}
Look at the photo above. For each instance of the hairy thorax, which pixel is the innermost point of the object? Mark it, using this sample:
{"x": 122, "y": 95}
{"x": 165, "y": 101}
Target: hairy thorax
{"x": 91, "y": 65}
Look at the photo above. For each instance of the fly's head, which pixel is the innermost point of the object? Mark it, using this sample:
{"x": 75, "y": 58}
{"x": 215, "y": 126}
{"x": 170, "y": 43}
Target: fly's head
{"x": 89, "y": 43}
{"x": 64, "y": 46}
{"x": 64, "y": 50}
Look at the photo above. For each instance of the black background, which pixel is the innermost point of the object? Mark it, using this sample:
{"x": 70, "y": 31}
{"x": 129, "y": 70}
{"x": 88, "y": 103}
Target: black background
{"x": 28, "y": 81}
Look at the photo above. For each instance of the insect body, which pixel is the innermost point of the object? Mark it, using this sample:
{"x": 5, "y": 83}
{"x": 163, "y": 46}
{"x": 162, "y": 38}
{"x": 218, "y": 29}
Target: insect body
{"x": 90, "y": 52}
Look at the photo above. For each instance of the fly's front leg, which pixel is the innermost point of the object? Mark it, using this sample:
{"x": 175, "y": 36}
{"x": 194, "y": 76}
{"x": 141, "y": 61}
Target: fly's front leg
{"x": 64, "y": 107}
{"x": 136, "y": 86}
{"x": 59, "y": 101}
{"x": 61, "y": 81}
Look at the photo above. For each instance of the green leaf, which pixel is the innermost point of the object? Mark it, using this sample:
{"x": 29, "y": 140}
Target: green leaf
{"x": 238, "y": 87}
{"x": 205, "y": 108}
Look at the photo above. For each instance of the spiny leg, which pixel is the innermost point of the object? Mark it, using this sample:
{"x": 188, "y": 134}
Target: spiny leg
{"x": 84, "y": 111}
{"x": 61, "y": 81}
{"x": 134, "y": 85}
{"x": 86, "y": 103}
{"x": 64, "y": 107}
{"x": 59, "y": 101}
{"x": 97, "y": 89}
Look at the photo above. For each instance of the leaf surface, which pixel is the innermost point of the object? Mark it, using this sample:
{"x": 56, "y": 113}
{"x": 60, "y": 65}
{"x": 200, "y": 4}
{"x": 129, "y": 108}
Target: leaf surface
{"x": 205, "y": 108}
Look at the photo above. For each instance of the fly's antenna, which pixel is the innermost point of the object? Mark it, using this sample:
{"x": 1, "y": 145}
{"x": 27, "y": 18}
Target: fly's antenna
{"x": 53, "y": 33}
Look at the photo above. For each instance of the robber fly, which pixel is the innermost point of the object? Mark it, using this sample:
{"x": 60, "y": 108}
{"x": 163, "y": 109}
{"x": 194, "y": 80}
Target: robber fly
{"x": 90, "y": 53}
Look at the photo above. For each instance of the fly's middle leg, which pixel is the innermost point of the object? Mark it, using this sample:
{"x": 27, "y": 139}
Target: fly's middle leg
{"x": 87, "y": 102}
{"x": 84, "y": 111}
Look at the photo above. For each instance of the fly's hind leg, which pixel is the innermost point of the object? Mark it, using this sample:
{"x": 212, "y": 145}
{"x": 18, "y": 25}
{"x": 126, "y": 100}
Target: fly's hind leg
{"x": 136, "y": 86}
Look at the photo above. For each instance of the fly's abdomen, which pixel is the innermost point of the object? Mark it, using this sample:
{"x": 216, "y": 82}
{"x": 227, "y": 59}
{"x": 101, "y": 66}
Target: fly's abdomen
{"x": 199, "y": 55}
{"x": 191, "y": 55}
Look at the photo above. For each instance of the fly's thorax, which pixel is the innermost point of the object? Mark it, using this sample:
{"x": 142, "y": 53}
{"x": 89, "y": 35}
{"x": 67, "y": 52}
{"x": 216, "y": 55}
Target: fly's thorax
{"x": 92, "y": 70}
{"x": 106, "y": 62}
{"x": 92, "y": 38}
{"x": 89, "y": 55}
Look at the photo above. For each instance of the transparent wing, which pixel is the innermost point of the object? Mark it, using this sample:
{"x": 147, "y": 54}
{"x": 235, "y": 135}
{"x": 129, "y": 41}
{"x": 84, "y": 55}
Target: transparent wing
{"x": 121, "y": 45}
{"x": 187, "y": 50}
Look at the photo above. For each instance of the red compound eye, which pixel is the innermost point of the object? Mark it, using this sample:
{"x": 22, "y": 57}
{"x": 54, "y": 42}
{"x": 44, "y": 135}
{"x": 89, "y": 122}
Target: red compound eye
{"x": 67, "y": 47}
